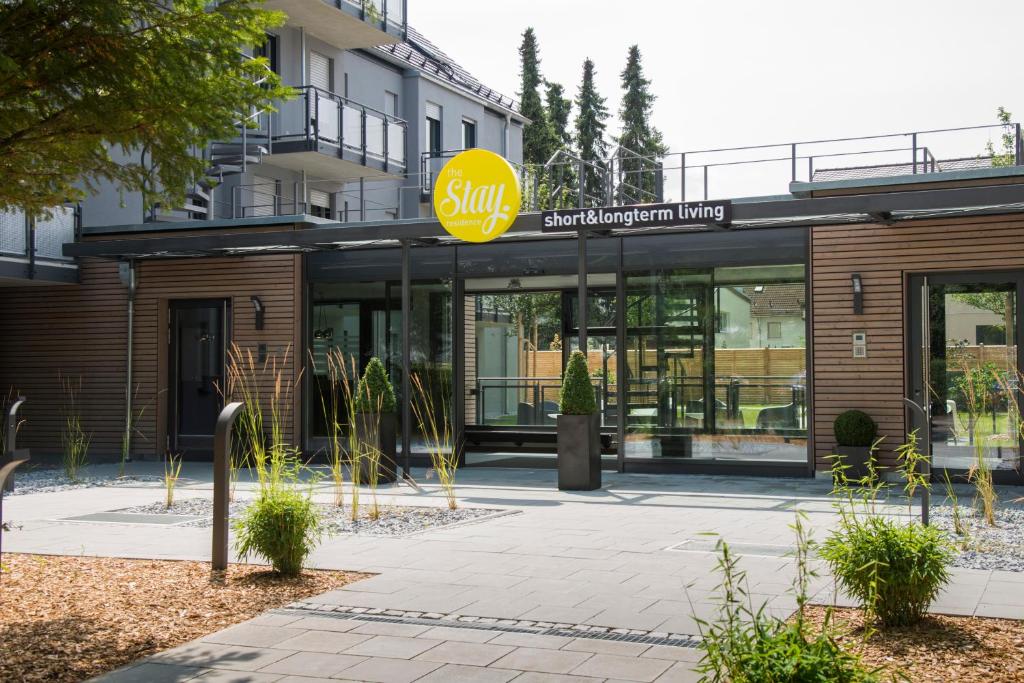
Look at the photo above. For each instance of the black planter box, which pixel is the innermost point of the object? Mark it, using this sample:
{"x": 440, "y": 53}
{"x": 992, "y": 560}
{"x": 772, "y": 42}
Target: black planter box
{"x": 856, "y": 460}
{"x": 579, "y": 452}
{"x": 378, "y": 431}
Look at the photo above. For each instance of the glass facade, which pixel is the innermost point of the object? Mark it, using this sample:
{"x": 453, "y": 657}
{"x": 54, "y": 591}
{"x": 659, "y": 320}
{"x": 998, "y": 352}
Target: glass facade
{"x": 706, "y": 377}
{"x": 364, "y": 320}
{"x": 697, "y": 343}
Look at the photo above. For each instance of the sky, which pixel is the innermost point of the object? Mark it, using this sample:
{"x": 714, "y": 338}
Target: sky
{"x": 731, "y": 73}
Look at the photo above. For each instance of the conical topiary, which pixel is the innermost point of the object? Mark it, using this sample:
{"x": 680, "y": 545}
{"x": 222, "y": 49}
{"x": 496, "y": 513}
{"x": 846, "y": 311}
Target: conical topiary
{"x": 577, "y": 396}
{"x": 375, "y": 393}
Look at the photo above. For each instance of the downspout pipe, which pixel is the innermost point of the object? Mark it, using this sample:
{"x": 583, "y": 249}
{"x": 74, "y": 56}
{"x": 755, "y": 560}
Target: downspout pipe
{"x": 129, "y": 367}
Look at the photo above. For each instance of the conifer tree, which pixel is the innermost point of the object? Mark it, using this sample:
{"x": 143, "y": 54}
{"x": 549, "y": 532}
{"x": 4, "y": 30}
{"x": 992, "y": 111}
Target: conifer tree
{"x": 639, "y": 137}
{"x": 590, "y": 127}
{"x": 563, "y": 174}
{"x": 538, "y": 138}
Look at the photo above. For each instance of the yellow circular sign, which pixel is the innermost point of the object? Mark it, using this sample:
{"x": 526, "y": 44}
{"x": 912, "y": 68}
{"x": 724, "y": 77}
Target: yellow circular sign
{"x": 477, "y": 195}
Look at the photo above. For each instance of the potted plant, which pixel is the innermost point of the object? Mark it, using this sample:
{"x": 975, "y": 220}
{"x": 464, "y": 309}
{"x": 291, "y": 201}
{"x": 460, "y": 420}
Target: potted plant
{"x": 376, "y": 423}
{"x": 579, "y": 442}
{"x": 855, "y": 433}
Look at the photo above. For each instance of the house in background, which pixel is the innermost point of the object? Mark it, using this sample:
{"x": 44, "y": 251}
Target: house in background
{"x": 760, "y": 316}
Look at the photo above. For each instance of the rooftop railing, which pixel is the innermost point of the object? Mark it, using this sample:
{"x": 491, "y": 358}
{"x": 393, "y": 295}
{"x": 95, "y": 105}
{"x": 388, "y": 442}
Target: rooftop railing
{"x": 627, "y": 177}
{"x": 754, "y": 170}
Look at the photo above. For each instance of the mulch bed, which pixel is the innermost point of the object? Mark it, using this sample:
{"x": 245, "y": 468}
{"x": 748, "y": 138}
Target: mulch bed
{"x": 69, "y": 618}
{"x": 940, "y": 648}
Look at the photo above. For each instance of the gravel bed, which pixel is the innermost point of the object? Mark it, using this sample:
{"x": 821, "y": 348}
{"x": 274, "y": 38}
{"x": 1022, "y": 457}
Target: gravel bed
{"x": 50, "y": 480}
{"x": 394, "y": 520}
{"x": 1000, "y": 547}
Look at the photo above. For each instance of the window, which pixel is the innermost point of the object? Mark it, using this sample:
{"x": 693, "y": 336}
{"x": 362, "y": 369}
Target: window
{"x": 433, "y": 128}
{"x": 391, "y": 104}
{"x": 319, "y": 204}
{"x": 468, "y": 134}
{"x": 775, "y": 330}
{"x": 320, "y": 71}
{"x": 268, "y": 50}
{"x": 263, "y": 196}
{"x": 990, "y": 335}
{"x": 723, "y": 322}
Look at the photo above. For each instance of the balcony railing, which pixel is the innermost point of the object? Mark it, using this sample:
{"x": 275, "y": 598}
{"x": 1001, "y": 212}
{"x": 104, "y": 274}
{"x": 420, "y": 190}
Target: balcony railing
{"x": 42, "y": 239}
{"x": 318, "y": 117}
{"x": 389, "y": 15}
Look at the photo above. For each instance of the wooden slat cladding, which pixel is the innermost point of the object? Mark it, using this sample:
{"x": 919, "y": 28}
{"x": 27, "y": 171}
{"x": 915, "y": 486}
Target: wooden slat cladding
{"x": 884, "y": 256}
{"x": 80, "y": 331}
{"x": 272, "y": 278}
{"x": 77, "y": 331}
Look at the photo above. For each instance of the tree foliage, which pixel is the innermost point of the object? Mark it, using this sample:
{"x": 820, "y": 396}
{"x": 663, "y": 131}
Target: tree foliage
{"x": 122, "y": 91}
{"x": 993, "y": 302}
{"x": 1007, "y": 155}
{"x": 638, "y": 136}
{"x": 563, "y": 179}
{"x": 590, "y": 130}
{"x": 539, "y": 140}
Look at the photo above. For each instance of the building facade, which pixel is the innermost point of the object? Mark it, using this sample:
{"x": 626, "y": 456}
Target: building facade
{"x": 713, "y": 348}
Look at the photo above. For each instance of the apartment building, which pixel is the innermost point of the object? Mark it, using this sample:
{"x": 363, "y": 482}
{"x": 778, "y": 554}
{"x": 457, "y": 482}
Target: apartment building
{"x": 377, "y": 107}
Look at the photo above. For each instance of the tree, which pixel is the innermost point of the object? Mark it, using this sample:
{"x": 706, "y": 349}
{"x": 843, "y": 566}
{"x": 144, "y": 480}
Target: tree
{"x": 539, "y": 141}
{"x": 122, "y": 91}
{"x": 590, "y": 126}
{"x": 1008, "y": 155}
{"x": 640, "y": 142}
{"x": 563, "y": 175}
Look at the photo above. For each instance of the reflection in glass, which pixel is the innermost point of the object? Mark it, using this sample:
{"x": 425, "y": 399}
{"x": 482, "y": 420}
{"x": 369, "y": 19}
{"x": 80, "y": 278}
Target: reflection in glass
{"x": 974, "y": 376}
{"x": 716, "y": 364}
{"x": 364, "y": 320}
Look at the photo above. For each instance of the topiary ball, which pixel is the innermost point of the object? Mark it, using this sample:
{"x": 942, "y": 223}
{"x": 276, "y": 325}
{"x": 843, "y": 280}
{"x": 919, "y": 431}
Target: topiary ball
{"x": 577, "y": 396}
{"x": 855, "y": 428}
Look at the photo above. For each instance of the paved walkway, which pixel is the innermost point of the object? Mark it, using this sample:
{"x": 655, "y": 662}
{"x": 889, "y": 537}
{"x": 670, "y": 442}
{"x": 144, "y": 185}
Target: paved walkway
{"x": 507, "y": 595}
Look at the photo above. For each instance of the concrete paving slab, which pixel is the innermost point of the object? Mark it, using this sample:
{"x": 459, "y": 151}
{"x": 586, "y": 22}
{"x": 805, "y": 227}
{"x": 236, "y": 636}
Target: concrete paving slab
{"x": 623, "y": 668}
{"x": 543, "y": 661}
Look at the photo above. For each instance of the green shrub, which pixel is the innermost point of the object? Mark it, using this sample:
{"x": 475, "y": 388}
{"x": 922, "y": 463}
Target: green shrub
{"x": 855, "y": 428}
{"x": 577, "y": 395}
{"x": 375, "y": 393}
{"x": 746, "y": 645}
{"x": 894, "y": 569}
{"x": 282, "y": 526}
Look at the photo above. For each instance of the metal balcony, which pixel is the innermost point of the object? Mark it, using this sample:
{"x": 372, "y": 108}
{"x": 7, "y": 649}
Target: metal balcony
{"x": 332, "y": 137}
{"x": 32, "y": 250}
{"x": 347, "y": 24}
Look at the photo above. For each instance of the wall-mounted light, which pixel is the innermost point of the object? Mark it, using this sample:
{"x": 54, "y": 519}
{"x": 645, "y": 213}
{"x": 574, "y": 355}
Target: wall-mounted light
{"x": 858, "y": 293}
{"x": 258, "y": 307}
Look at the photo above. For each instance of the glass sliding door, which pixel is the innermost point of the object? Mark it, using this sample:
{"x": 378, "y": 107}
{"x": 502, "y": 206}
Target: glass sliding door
{"x": 760, "y": 365}
{"x": 966, "y": 362}
{"x": 666, "y": 363}
{"x": 517, "y": 358}
{"x": 364, "y": 320}
{"x": 716, "y": 364}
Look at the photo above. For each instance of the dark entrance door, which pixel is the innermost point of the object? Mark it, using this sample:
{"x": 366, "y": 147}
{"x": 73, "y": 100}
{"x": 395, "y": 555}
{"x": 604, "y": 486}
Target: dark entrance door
{"x": 198, "y": 341}
{"x": 965, "y": 368}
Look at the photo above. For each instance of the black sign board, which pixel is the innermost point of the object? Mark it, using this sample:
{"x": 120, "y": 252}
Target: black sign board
{"x": 638, "y": 216}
